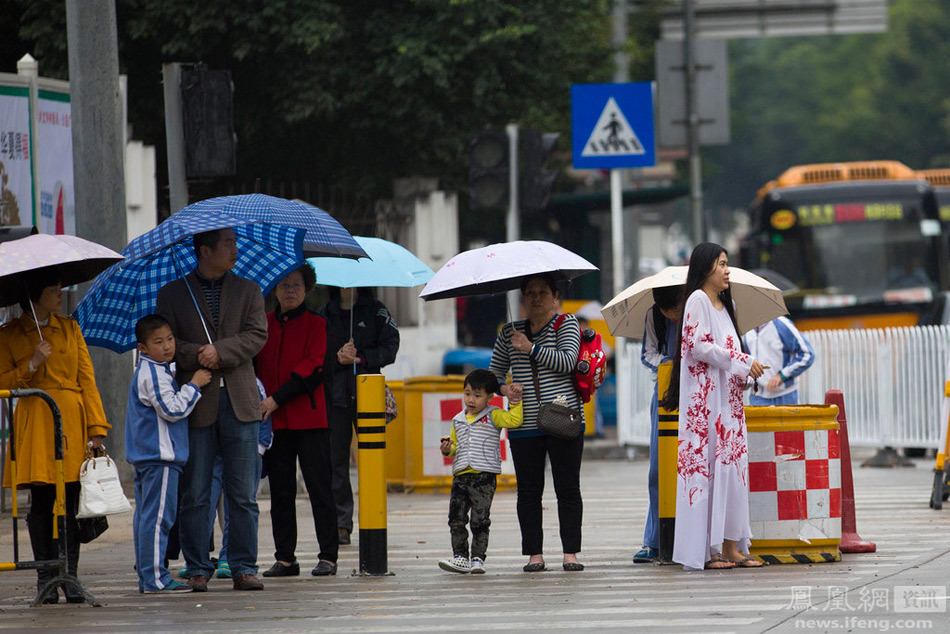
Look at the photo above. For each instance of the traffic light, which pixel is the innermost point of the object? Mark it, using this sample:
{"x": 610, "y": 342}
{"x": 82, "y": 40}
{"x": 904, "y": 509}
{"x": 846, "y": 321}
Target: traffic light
{"x": 536, "y": 182}
{"x": 207, "y": 102}
{"x": 488, "y": 172}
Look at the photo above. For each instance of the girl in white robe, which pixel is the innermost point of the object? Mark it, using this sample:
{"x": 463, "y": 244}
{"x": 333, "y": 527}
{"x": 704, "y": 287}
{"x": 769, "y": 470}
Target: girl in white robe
{"x": 712, "y": 484}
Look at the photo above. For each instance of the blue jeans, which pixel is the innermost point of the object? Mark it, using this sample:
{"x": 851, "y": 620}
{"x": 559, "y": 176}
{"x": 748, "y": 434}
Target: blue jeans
{"x": 650, "y": 530}
{"x": 236, "y": 441}
{"x": 787, "y": 399}
{"x": 217, "y": 488}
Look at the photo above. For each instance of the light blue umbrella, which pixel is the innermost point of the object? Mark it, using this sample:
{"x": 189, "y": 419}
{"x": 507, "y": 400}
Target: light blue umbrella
{"x": 390, "y": 265}
{"x": 127, "y": 291}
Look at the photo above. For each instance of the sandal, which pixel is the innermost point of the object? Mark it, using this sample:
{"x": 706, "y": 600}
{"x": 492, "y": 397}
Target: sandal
{"x": 749, "y": 562}
{"x": 718, "y": 559}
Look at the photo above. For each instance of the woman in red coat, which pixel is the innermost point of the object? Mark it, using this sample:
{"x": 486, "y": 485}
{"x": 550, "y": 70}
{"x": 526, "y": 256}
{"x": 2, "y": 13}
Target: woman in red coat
{"x": 291, "y": 368}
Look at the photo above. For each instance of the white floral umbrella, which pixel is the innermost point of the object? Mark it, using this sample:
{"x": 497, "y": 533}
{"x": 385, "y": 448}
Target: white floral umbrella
{"x": 503, "y": 267}
{"x": 73, "y": 259}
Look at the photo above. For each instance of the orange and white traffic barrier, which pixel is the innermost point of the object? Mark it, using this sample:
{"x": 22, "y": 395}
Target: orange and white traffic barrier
{"x": 795, "y": 467}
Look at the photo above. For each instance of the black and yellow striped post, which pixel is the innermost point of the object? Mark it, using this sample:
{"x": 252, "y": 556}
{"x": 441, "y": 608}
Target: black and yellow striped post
{"x": 62, "y": 577}
{"x": 371, "y": 456}
{"x": 667, "y": 452}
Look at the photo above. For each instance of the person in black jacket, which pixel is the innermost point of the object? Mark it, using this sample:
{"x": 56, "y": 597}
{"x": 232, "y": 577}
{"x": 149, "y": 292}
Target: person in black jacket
{"x": 367, "y": 340}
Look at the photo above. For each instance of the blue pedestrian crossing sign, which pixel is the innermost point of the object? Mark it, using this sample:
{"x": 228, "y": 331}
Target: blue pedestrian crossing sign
{"x": 612, "y": 125}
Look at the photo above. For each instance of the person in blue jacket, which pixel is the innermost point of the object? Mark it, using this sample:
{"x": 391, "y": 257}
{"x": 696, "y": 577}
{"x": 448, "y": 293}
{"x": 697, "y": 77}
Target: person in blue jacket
{"x": 779, "y": 346}
{"x": 156, "y": 444}
{"x": 659, "y": 343}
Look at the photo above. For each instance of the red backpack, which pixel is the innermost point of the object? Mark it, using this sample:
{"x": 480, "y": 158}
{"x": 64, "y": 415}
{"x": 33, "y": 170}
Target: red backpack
{"x": 591, "y": 367}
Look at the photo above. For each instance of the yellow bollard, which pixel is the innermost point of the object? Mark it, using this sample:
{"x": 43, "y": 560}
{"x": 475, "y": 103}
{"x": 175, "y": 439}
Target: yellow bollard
{"x": 371, "y": 446}
{"x": 667, "y": 453}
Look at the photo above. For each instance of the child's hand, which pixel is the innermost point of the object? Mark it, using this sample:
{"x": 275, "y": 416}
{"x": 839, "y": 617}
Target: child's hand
{"x": 201, "y": 377}
{"x": 515, "y": 391}
{"x": 446, "y": 445}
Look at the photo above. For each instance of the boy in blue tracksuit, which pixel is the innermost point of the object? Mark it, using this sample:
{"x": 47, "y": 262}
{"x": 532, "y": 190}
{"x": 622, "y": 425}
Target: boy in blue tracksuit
{"x": 779, "y": 346}
{"x": 156, "y": 444}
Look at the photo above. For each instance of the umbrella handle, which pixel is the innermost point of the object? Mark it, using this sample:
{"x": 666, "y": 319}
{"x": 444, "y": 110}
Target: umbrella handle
{"x": 35, "y": 320}
{"x": 193, "y": 299}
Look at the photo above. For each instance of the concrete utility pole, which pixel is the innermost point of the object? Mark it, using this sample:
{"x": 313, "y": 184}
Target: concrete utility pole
{"x": 692, "y": 123}
{"x": 98, "y": 159}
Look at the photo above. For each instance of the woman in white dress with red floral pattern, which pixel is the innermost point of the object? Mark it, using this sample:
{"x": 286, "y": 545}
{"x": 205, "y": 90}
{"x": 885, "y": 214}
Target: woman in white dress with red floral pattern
{"x": 712, "y": 484}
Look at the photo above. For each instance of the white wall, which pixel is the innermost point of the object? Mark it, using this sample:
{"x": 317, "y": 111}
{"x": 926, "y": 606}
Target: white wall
{"x": 428, "y": 228}
{"x": 141, "y": 206}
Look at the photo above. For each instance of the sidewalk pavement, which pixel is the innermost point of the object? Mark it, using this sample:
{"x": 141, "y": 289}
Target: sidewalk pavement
{"x": 870, "y": 592}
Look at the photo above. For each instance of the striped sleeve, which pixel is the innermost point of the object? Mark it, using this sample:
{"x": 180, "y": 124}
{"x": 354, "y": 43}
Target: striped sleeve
{"x": 157, "y": 390}
{"x": 501, "y": 354}
{"x": 562, "y": 355}
{"x": 796, "y": 347}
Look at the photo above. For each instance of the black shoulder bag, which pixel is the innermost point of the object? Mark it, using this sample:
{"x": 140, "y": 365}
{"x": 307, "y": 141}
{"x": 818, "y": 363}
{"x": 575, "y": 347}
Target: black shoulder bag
{"x": 553, "y": 419}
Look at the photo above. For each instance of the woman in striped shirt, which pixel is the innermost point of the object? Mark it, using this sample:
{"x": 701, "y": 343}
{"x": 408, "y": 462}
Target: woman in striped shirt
{"x": 551, "y": 342}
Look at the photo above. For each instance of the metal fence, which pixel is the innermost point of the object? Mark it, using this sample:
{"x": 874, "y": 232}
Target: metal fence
{"x": 892, "y": 380}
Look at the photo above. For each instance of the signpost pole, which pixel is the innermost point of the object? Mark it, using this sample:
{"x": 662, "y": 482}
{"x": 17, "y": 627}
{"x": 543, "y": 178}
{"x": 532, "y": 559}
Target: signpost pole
{"x": 513, "y": 224}
{"x": 616, "y": 236}
{"x": 692, "y": 124}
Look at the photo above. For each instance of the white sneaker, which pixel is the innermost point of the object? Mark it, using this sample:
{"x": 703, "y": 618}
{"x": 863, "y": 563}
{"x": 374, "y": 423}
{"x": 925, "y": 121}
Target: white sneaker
{"x": 478, "y": 566}
{"x": 456, "y": 564}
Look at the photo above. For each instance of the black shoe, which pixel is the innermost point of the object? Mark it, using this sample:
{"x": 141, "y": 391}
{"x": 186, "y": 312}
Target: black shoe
{"x": 280, "y": 570}
{"x": 324, "y": 568}
{"x": 344, "y": 536}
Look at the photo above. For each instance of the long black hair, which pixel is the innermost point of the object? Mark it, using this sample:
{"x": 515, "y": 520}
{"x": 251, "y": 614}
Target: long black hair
{"x": 702, "y": 262}
{"x": 664, "y": 298}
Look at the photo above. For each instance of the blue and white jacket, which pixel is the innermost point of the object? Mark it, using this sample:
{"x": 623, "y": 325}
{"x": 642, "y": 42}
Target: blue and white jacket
{"x": 156, "y": 419}
{"x": 779, "y": 344}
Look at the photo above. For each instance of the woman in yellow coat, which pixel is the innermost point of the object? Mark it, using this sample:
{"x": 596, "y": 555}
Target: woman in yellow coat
{"x": 58, "y": 364}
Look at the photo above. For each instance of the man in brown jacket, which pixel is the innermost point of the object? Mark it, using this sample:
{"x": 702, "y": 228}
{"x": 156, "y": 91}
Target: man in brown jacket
{"x": 219, "y": 323}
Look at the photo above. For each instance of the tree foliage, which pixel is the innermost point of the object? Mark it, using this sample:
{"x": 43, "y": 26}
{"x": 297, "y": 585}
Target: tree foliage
{"x": 836, "y": 98}
{"x": 354, "y": 92}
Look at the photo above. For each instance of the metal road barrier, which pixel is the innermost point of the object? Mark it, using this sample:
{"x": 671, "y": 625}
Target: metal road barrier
{"x": 892, "y": 380}
{"x": 59, "y": 565}
{"x": 371, "y": 460}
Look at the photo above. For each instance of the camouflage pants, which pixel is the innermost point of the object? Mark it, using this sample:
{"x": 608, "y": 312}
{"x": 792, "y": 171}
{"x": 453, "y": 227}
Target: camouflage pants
{"x": 471, "y": 493}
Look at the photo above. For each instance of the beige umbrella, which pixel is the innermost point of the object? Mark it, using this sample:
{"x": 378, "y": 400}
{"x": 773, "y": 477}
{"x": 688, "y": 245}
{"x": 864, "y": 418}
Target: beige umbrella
{"x": 757, "y": 300}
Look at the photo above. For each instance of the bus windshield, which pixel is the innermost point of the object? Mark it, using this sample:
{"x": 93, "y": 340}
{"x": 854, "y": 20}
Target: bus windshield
{"x": 866, "y": 242}
{"x": 860, "y": 260}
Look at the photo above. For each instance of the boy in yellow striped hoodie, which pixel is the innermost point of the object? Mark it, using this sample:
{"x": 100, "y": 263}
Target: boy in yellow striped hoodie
{"x": 474, "y": 442}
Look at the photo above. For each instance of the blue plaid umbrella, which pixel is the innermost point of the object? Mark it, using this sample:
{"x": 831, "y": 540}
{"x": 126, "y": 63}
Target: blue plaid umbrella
{"x": 325, "y": 236}
{"x": 126, "y": 292}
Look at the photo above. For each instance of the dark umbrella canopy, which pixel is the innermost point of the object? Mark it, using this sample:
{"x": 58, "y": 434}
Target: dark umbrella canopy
{"x": 780, "y": 281}
{"x": 71, "y": 259}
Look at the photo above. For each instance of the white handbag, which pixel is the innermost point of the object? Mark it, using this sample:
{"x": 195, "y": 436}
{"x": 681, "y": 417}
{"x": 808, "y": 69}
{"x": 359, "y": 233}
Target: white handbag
{"x": 100, "y": 492}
